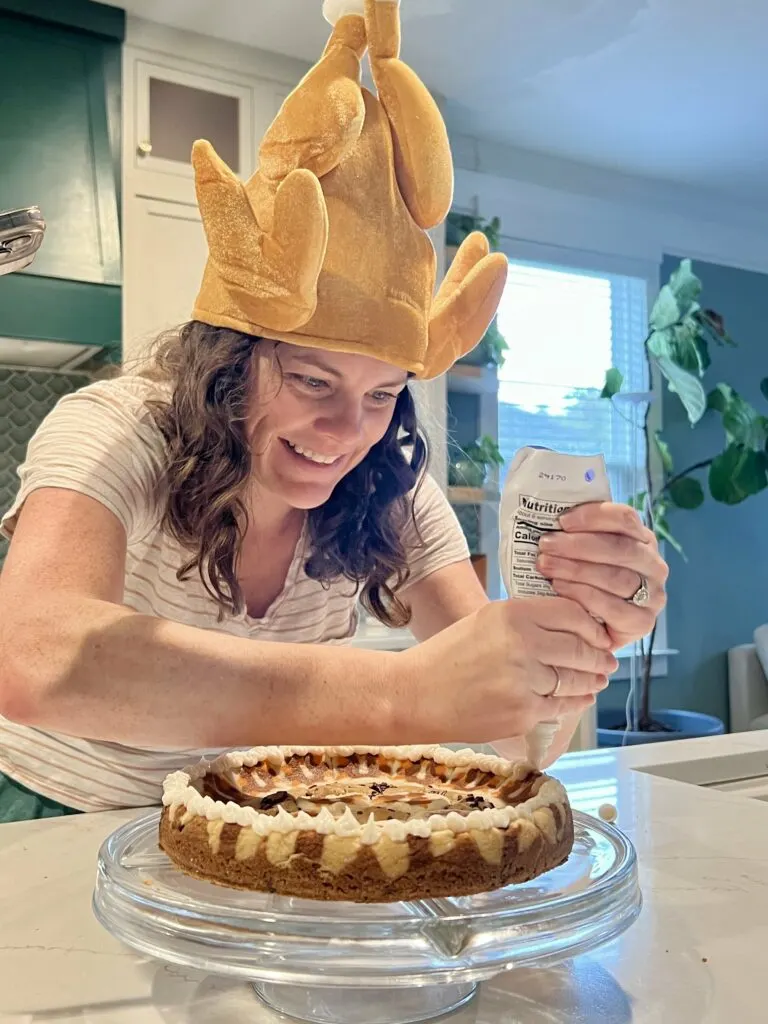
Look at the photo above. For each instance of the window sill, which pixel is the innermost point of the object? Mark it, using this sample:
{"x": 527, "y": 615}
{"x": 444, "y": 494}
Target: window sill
{"x": 659, "y": 666}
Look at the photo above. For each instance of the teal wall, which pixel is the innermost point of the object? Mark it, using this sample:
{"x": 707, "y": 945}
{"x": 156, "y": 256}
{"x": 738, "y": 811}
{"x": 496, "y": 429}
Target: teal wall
{"x": 719, "y": 596}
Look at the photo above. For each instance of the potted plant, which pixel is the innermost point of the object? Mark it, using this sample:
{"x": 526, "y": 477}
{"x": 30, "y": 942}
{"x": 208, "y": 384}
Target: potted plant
{"x": 678, "y": 342}
{"x": 490, "y": 350}
{"x": 459, "y": 225}
{"x": 468, "y": 467}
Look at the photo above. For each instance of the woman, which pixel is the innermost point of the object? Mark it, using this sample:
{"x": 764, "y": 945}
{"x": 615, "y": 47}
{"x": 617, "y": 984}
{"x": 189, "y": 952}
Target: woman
{"x": 188, "y": 542}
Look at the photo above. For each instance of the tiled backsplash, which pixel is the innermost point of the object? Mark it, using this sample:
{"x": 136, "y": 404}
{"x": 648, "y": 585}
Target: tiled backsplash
{"x": 26, "y": 397}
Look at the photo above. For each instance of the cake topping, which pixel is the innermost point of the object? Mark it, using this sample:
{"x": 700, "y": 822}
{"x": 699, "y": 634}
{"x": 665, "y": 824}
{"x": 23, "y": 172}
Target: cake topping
{"x": 369, "y": 792}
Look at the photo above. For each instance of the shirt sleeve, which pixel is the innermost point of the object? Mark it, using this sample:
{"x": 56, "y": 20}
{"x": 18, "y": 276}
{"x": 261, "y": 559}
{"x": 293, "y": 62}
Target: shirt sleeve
{"x": 433, "y": 535}
{"x": 102, "y": 442}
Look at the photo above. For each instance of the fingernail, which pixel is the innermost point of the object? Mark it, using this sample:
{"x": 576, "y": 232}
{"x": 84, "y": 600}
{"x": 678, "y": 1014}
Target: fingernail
{"x": 546, "y": 542}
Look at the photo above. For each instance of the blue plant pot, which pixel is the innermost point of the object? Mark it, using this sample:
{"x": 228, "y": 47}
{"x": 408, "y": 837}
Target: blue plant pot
{"x": 686, "y": 725}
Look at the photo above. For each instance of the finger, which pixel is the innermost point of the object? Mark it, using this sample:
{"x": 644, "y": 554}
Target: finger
{"x": 572, "y": 683}
{"x": 560, "y": 615}
{"x": 620, "y": 616}
{"x": 569, "y": 651}
{"x": 607, "y": 549}
{"x": 606, "y": 517}
{"x": 613, "y": 579}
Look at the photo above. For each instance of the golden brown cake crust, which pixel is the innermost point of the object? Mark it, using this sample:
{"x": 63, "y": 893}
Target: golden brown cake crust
{"x": 380, "y": 860}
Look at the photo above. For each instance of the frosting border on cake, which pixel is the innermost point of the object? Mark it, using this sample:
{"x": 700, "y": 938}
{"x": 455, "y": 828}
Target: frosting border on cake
{"x": 179, "y": 790}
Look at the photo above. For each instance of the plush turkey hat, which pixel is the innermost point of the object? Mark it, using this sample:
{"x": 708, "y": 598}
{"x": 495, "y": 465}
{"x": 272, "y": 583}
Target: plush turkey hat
{"x": 327, "y": 245}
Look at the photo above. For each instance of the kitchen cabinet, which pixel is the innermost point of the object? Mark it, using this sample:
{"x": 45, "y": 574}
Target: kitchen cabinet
{"x": 57, "y": 153}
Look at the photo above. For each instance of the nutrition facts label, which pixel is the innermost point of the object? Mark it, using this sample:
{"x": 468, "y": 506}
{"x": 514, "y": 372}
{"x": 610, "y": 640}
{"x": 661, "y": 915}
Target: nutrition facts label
{"x": 534, "y": 517}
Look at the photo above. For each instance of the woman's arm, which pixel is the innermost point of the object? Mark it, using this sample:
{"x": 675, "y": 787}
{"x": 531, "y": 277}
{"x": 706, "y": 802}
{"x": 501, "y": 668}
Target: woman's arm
{"x": 442, "y": 598}
{"x": 74, "y": 659}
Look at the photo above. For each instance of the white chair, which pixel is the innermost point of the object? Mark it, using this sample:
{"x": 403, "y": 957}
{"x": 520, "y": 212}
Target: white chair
{"x": 747, "y": 685}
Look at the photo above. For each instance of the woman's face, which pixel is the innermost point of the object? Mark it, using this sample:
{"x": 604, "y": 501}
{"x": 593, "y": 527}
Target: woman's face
{"x": 314, "y": 416}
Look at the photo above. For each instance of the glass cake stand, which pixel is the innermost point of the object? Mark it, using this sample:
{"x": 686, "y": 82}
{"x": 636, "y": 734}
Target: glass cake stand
{"x": 343, "y": 963}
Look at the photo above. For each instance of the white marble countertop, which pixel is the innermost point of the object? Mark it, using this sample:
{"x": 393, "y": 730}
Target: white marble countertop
{"x": 698, "y": 954}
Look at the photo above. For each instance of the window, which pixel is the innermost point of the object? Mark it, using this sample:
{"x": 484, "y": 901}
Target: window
{"x": 565, "y": 327}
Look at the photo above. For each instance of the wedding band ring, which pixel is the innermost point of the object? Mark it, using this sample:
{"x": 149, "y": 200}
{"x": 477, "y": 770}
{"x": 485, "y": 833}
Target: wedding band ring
{"x": 558, "y": 681}
{"x": 641, "y": 596}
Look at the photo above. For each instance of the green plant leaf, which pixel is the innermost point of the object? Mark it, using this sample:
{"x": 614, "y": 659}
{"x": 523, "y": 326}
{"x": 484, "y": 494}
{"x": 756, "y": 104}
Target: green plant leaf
{"x": 664, "y": 453}
{"x": 764, "y": 387}
{"x": 485, "y": 451}
{"x": 492, "y": 232}
{"x": 702, "y": 347}
{"x": 711, "y": 330}
{"x": 685, "y": 287}
{"x": 741, "y": 422}
{"x": 686, "y": 493}
{"x": 494, "y": 344}
{"x": 719, "y": 397}
{"x": 613, "y": 380}
{"x": 687, "y": 387}
{"x": 737, "y": 473}
{"x": 637, "y": 501}
{"x": 683, "y": 349}
{"x": 666, "y": 311}
{"x": 661, "y": 529}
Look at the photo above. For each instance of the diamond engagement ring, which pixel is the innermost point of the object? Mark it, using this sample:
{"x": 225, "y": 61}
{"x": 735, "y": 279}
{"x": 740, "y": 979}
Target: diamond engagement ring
{"x": 558, "y": 681}
{"x": 642, "y": 595}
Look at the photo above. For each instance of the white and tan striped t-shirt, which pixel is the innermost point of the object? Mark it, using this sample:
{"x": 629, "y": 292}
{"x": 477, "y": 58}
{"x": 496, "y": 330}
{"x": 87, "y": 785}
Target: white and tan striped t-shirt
{"x": 101, "y": 441}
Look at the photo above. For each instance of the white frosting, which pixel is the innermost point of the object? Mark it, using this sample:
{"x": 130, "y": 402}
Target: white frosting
{"x": 539, "y": 740}
{"x": 179, "y": 790}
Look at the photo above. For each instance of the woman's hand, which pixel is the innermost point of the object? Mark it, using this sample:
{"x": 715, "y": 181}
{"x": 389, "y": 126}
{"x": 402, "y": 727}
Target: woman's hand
{"x": 599, "y": 560}
{"x": 488, "y": 675}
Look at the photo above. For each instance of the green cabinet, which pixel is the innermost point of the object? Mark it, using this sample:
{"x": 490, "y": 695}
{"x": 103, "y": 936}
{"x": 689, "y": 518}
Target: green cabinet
{"x": 56, "y": 150}
{"x": 60, "y": 135}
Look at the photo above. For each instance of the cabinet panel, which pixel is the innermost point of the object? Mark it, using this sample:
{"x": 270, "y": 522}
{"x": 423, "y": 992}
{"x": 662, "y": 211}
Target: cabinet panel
{"x": 164, "y": 262}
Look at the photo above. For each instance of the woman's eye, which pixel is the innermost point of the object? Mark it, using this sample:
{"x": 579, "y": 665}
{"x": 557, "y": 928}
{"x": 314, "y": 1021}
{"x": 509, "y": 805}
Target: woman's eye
{"x": 383, "y": 396}
{"x": 312, "y": 383}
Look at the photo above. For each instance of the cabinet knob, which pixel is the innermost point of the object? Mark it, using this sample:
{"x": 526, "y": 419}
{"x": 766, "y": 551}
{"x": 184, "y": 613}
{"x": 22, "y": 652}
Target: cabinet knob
{"x": 144, "y": 148}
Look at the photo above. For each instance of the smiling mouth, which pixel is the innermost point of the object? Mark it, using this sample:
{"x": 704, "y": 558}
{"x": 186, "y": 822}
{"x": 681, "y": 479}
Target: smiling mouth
{"x": 316, "y": 458}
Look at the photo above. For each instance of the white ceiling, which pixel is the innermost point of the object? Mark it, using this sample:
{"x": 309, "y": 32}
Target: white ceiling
{"x": 675, "y": 90}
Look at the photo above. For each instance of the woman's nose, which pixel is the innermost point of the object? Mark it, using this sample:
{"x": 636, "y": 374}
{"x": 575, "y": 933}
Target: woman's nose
{"x": 342, "y": 424}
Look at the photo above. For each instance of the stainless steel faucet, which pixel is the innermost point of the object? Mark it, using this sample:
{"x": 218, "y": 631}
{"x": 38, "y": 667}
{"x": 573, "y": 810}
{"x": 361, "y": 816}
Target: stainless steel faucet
{"x": 21, "y": 235}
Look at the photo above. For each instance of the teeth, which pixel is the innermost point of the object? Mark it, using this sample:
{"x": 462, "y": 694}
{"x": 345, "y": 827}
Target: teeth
{"x": 326, "y": 460}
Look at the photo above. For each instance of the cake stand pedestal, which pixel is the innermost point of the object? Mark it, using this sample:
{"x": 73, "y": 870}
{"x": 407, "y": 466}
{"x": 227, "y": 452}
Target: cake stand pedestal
{"x": 385, "y": 963}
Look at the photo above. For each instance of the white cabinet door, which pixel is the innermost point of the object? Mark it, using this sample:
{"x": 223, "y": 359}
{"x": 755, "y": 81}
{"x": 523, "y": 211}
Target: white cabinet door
{"x": 165, "y": 253}
{"x": 171, "y": 109}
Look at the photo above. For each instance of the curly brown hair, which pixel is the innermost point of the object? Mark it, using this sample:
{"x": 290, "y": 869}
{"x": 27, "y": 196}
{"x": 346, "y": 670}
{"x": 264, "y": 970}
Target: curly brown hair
{"x": 356, "y": 534}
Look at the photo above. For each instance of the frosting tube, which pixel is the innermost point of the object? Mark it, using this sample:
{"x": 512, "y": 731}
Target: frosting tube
{"x": 541, "y": 485}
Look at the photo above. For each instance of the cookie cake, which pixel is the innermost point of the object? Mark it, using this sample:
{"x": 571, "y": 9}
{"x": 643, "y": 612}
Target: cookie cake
{"x": 365, "y": 824}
